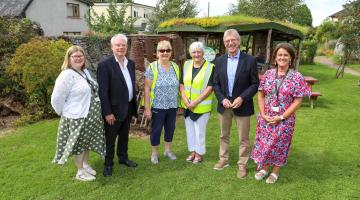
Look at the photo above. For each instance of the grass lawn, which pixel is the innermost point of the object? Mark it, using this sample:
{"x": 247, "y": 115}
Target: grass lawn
{"x": 324, "y": 161}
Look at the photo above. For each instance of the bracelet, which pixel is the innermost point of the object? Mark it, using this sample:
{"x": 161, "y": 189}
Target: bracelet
{"x": 282, "y": 117}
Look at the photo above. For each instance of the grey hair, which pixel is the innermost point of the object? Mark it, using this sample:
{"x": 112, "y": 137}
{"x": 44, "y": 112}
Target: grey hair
{"x": 232, "y": 32}
{"x": 119, "y": 35}
{"x": 196, "y": 45}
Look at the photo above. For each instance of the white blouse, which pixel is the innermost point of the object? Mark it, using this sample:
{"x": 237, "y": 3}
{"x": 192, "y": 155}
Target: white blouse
{"x": 72, "y": 94}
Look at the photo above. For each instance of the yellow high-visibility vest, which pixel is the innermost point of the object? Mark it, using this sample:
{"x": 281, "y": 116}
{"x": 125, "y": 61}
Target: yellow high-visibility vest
{"x": 194, "y": 87}
{"x": 154, "y": 68}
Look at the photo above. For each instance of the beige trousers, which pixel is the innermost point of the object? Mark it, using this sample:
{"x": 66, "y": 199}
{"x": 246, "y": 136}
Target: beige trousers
{"x": 243, "y": 129}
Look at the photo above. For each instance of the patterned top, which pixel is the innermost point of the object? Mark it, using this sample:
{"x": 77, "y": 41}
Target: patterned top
{"x": 166, "y": 88}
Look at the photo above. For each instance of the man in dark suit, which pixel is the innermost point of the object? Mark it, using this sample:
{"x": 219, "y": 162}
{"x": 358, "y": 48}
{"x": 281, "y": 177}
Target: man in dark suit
{"x": 236, "y": 82}
{"x": 116, "y": 78}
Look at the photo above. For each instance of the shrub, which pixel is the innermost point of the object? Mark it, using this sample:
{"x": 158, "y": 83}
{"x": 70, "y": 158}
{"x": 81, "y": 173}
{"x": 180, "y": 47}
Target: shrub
{"x": 34, "y": 67}
{"x": 13, "y": 33}
{"x": 309, "y": 51}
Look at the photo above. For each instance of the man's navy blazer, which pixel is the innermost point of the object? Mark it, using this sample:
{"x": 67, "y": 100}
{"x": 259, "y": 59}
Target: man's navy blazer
{"x": 246, "y": 83}
{"x": 113, "y": 91}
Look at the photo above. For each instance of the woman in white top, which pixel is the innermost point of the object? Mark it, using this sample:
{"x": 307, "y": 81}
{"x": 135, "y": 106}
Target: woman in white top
{"x": 75, "y": 99}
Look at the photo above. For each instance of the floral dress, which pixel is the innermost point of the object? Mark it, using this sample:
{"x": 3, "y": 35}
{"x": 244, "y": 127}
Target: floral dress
{"x": 272, "y": 142}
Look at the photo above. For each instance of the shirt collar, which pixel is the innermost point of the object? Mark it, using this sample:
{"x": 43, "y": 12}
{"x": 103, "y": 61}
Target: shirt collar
{"x": 237, "y": 56}
{"x": 125, "y": 61}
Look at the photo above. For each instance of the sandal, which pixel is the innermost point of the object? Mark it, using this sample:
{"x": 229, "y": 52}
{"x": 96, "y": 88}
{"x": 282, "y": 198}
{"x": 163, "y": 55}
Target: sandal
{"x": 191, "y": 157}
{"x": 272, "y": 178}
{"x": 197, "y": 160}
{"x": 261, "y": 174}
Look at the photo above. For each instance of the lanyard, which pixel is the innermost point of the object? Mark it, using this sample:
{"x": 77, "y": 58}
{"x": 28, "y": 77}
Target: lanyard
{"x": 87, "y": 80}
{"x": 277, "y": 87}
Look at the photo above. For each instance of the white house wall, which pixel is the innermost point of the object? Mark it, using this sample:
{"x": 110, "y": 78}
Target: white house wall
{"x": 52, "y": 16}
{"x": 101, "y": 8}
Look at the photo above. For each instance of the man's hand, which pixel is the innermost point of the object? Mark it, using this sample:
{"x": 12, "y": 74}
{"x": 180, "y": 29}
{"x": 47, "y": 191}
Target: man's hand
{"x": 110, "y": 119}
{"x": 237, "y": 102}
{"x": 226, "y": 103}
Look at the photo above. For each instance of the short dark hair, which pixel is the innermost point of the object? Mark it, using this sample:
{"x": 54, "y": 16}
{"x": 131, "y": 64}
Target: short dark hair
{"x": 289, "y": 48}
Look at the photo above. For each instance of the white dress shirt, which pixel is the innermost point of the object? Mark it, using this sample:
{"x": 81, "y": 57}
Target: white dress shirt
{"x": 72, "y": 94}
{"x": 125, "y": 72}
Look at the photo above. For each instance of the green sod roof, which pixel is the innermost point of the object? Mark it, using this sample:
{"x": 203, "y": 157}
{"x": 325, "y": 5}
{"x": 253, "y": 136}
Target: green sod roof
{"x": 243, "y": 24}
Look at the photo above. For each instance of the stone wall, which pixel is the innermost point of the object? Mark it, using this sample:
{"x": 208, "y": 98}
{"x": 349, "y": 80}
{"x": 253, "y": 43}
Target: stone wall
{"x": 141, "y": 49}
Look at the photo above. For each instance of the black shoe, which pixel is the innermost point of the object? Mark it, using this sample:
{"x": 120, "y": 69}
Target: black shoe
{"x": 107, "y": 171}
{"x": 128, "y": 163}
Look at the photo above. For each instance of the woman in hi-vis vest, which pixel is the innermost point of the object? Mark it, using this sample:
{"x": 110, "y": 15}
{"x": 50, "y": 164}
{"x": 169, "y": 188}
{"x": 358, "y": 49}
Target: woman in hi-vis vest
{"x": 196, "y": 99}
{"x": 161, "y": 99}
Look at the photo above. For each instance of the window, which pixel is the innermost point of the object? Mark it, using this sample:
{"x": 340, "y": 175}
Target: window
{"x": 147, "y": 13}
{"x": 72, "y": 33}
{"x": 135, "y": 13}
{"x": 73, "y": 10}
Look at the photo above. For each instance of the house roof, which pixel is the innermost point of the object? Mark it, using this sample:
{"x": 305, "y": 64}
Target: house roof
{"x": 337, "y": 14}
{"x": 87, "y": 2}
{"x": 244, "y": 24}
{"x": 13, "y": 8}
{"x": 17, "y": 8}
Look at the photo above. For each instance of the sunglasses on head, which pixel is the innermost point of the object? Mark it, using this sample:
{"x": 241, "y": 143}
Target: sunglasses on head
{"x": 164, "y": 50}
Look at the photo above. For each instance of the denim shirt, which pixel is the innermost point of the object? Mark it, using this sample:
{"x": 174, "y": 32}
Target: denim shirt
{"x": 166, "y": 88}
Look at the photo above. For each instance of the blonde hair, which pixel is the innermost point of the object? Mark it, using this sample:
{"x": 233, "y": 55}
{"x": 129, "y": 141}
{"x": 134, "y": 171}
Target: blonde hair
{"x": 66, "y": 64}
{"x": 163, "y": 44}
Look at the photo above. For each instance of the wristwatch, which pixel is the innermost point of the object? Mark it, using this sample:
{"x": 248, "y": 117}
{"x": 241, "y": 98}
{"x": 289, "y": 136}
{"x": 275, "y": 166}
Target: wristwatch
{"x": 282, "y": 117}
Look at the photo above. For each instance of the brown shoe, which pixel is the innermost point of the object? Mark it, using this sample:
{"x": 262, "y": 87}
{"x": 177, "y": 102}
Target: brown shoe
{"x": 241, "y": 172}
{"x": 221, "y": 165}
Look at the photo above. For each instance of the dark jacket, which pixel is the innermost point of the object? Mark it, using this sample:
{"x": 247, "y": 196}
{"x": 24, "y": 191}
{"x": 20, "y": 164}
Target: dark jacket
{"x": 246, "y": 83}
{"x": 113, "y": 91}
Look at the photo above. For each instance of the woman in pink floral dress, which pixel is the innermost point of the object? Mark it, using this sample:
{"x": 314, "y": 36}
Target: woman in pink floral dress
{"x": 280, "y": 95}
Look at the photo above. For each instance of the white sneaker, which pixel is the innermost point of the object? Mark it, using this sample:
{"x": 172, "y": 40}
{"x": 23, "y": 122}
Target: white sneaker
{"x": 154, "y": 159}
{"x": 170, "y": 154}
{"x": 89, "y": 170}
{"x": 82, "y": 175}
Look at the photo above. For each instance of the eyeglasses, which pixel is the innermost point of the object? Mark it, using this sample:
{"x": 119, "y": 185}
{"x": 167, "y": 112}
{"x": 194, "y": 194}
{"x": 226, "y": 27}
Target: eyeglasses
{"x": 230, "y": 40}
{"x": 79, "y": 56}
{"x": 164, "y": 50}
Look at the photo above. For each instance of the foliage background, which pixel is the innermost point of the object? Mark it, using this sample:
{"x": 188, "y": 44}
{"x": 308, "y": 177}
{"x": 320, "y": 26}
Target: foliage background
{"x": 34, "y": 68}
{"x": 13, "y": 33}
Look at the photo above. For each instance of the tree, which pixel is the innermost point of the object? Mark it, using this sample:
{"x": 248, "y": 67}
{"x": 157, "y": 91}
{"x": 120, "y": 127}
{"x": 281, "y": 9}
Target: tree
{"x": 293, "y": 11}
{"x": 327, "y": 31}
{"x": 114, "y": 21}
{"x": 302, "y": 15}
{"x": 350, "y": 34}
{"x": 168, "y": 9}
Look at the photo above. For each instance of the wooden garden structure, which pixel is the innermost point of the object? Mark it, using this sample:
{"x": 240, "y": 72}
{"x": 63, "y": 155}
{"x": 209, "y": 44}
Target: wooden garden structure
{"x": 260, "y": 35}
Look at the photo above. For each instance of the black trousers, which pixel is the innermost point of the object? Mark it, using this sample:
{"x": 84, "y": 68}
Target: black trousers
{"x": 119, "y": 130}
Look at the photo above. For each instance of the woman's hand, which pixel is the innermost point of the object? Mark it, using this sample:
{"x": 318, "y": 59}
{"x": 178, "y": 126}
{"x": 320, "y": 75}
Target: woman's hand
{"x": 275, "y": 120}
{"x": 266, "y": 118}
{"x": 193, "y": 104}
{"x": 147, "y": 113}
{"x": 186, "y": 101}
